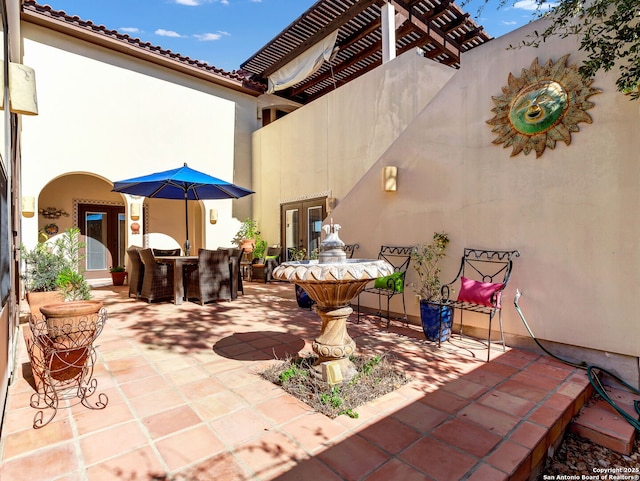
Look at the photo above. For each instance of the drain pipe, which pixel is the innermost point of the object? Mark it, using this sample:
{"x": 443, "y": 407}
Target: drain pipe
{"x": 592, "y": 373}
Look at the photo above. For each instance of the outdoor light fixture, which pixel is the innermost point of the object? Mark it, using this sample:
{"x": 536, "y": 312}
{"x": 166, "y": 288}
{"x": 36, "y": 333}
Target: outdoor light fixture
{"x": 53, "y": 213}
{"x": 390, "y": 178}
{"x": 28, "y": 206}
{"x": 213, "y": 216}
{"x": 22, "y": 90}
{"x": 134, "y": 211}
{"x": 330, "y": 204}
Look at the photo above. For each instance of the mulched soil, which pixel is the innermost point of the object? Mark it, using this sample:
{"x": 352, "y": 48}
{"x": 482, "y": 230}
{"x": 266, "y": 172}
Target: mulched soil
{"x": 581, "y": 459}
{"x": 376, "y": 377}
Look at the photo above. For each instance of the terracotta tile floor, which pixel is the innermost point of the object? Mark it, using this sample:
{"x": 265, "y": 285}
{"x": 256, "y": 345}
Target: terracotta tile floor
{"x": 186, "y": 403}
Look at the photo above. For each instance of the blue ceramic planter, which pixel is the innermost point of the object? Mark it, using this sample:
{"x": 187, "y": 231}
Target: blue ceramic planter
{"x": 432, "y": 316}
{"x": 303, "y": 298}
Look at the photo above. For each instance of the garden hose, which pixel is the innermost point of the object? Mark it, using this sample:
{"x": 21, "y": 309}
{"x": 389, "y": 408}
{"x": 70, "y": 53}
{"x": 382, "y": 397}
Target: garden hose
{"x": 591, "y": 373}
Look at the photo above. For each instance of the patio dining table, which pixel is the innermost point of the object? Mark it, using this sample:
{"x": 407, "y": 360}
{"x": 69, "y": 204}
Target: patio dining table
{"x": 179, "y": 262}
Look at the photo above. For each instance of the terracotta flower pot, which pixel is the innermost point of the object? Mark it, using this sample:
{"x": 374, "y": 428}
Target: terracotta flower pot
{"x": 67, "y": 317}
{"x": 118, "y": 278}
{"x": 38, "y": 299}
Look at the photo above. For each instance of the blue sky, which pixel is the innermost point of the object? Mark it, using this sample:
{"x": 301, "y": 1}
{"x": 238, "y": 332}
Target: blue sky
{"x": 225, "y": 33}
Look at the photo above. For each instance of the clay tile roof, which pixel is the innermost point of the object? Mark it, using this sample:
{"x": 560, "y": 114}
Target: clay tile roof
{"x": 44, "y": 15}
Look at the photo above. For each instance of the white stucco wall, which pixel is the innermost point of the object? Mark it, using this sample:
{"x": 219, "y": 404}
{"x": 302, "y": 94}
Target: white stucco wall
{"x": 331, "y": 142}
{"x": 571, "y": 213}
{"x": 117, "y": 117}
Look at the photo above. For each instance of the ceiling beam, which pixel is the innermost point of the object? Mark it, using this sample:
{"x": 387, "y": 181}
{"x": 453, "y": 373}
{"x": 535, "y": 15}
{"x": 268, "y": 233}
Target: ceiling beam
{"x": 338, "y": 22}
{"x": 437, "y": 36}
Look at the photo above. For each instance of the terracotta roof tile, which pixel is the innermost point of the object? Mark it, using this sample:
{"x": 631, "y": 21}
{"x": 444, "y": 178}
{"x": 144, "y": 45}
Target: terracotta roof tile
{"x": 238, "y": 76}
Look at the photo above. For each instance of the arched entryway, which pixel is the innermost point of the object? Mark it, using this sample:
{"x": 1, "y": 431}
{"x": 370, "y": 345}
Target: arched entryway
{"x": 86, "y": 201}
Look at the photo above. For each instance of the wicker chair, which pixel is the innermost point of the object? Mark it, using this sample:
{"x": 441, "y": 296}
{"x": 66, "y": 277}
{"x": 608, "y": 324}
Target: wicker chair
{"x": 136, "y": 271}
{"x": 166, "y": 252}
{"x": 210, "y": 280}
{"x": 235, "y": 257}
{"x": 262, "y": 269}
{"x": 157, "y": 283}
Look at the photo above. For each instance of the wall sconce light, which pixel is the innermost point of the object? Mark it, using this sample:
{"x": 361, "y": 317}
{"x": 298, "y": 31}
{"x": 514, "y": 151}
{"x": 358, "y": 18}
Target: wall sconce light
{"x": 28, "y": 206}
{"x": 330, "y": 204}
{"x": 213, "y": 216}
{"x": 390, "y": 178}
{"x": 22, "y": 90}
{"x": 134, "y": 211}
{"x": 53, "y": 213}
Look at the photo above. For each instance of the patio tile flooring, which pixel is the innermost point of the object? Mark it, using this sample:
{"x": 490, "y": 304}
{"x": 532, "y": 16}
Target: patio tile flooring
{"x": 186, "y": 403}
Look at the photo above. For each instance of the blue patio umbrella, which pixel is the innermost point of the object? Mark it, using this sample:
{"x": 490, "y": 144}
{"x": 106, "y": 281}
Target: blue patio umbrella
{"x": 182, "y": 183}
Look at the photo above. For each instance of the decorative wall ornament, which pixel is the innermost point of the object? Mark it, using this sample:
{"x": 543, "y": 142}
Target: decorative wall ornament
{"x": 53, "y": 213}
{"x": 543, "y": 105}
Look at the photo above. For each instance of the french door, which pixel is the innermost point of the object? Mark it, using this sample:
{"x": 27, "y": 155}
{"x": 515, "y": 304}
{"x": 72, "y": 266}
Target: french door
{"x": 301, "y": 224}
{"x": 104, "y": 229}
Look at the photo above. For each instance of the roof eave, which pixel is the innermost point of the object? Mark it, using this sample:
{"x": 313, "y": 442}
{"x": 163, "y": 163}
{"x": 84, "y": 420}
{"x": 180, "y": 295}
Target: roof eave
{"x": 123, "y": 47}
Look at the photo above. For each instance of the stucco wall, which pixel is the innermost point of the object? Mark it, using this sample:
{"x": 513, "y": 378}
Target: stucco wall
{"x": 571, "y": 213}
{"x": 328, "y": 145}
{"x": 117, "y": 117}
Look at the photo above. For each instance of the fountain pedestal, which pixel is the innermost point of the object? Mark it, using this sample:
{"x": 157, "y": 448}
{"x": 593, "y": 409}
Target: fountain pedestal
{"x": 332, "y": 286}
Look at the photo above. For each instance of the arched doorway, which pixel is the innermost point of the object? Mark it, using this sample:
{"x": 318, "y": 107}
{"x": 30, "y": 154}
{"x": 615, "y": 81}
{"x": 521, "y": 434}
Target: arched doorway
{"x": 85, "y": 201}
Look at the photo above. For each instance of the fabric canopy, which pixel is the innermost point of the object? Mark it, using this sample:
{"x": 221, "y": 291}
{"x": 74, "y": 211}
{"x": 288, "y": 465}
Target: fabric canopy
{"x": 303, "y": 65}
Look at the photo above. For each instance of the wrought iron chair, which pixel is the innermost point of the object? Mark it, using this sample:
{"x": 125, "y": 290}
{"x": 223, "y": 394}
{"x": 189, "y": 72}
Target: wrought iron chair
{"x": 350, "y": 249}
{"x": 483, "y": 276}
{"x": 210, "y": 280}
{"x": 157, "y": 283}
{"x": 393, "y": 285}
{"x": 136, "y": 271}
{"x": 263, "y": 268}
{"x": 62, "y": 357}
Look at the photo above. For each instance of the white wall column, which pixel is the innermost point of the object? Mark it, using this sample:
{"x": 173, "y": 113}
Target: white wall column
{"x": 388, "y": 26}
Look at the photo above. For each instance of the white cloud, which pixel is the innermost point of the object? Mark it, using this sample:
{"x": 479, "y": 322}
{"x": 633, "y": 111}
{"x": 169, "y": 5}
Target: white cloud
{"x": 532, "y": 6}
{"x": 167, "y": 33}
{"x": 509, "y": 22}
{"x": 129, "y": 30}
{"x": 207, "y": 37}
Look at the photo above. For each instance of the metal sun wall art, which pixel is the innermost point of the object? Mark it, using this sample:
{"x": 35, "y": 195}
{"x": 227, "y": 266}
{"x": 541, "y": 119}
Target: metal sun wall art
{"x": 543, "y": 105}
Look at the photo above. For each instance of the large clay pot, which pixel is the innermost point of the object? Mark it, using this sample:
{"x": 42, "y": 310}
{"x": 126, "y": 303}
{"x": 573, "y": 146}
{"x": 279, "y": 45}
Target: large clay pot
{"x": 71, "y": 316}
{"x": 71, "y": 327}
{"x": 38, "y": 299}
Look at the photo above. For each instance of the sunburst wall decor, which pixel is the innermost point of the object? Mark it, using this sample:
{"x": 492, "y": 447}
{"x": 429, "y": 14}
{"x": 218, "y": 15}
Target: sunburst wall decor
{"x": 543, "y": 105}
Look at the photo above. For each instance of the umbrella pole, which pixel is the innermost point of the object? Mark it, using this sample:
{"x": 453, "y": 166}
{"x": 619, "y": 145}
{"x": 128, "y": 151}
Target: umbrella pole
{"x": 187, "y": 247}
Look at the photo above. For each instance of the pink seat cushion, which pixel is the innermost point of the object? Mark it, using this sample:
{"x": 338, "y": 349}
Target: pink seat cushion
{"x": 478, "y": 292}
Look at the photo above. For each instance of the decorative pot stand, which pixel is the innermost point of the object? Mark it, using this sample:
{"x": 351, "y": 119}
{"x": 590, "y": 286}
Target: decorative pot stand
{"x": 62, "y": 361}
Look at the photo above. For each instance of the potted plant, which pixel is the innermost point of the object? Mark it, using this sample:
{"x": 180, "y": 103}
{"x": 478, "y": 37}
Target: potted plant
{"x": 247, "y": 235}
{"x": 118, "y": 275}
{"x": 53, "y": 268}
{"x": 425, "y": 258}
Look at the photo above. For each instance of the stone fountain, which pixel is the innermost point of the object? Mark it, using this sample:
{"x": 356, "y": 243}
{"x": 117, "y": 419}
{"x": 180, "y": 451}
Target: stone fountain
{"x": 332, "y": 282}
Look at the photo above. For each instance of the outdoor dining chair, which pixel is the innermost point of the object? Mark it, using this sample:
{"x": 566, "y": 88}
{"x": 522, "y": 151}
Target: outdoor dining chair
{"x": 135, "y": 271}
{"x": 157, "y": 283}
{"x": 262, "y": 268}
{"x": 210, "y": 279}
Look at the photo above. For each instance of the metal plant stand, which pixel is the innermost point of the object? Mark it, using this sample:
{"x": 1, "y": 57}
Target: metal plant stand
{"x": 62, "y": 359}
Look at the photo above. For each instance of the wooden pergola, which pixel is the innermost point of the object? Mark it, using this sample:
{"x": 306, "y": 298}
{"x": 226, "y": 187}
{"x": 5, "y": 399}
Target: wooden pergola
{"x": 438, "y": 27}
